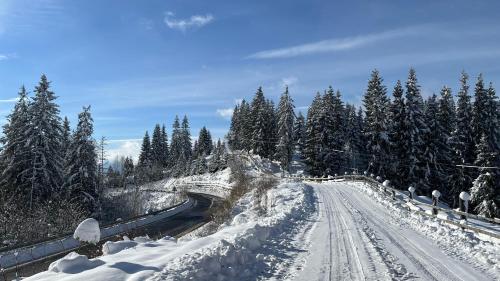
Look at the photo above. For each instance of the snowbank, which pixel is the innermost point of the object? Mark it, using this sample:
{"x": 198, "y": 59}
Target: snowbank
{"x": 450, "y": 238}
{"x": 247, "y": 246}
{"x": 73, "y": 263}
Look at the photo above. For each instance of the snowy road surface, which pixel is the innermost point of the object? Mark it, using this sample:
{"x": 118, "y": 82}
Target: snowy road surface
{"x": 356, "y": 238}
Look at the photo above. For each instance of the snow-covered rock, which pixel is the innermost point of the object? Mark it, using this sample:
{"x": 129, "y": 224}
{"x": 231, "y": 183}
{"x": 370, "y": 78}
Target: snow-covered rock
{"x": 88, "y": 231}
{"x": 73, "y": 263}
{"x": 386, "y": 183}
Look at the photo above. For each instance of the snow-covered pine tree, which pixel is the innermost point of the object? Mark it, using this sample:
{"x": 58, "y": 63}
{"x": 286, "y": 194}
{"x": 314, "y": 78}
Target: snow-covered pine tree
{"x": 176, "y": 143}
{"x": 485, "y": 194}
{"x": 145, "y": 160}
{"x": 312, "y": 147}
{"x": 417, "y": 128}
{"x": 286, "y": 117}
{"x": 363, "y": 148}
{"x": 332, "y": 138}
{"x": 157, "y": 153}
{"x": 398, "y": 136}
{"x": 493, "y": 126}
{"x": 66, "y": 137}
{"x": 205, "y": 144}
{"x": 462, "y": 140}
{"x": 81, "y": 170}
{"x": 270, "y": 131}
{"x": 353, "y": 138}
{"x": 16, "y": 155}
{"x": 377, "y": 106}
{"x": 128, "y": 167}
{"x": 164, "y": 147}
{"x": 446, "y": 155}
{"x": 183, "y": 162}
{"x": 45, "y": 173}
{"x": 246, "y": 126}
{"x": 299, "y": 132}
{"x": 234, "y": 135}
{"x": 259, "y": 122}
{"x": 480, "y": 111}
{"x": 435, "y": 139}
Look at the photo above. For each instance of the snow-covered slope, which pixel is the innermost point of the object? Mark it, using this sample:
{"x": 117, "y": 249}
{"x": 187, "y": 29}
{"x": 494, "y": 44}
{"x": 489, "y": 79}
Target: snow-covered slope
{"x": 252, "y": 244}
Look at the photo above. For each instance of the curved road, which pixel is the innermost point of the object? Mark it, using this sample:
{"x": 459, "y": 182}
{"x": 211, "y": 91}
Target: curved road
{"x": 356, "y": 238}
{"x": 172, "y": 226}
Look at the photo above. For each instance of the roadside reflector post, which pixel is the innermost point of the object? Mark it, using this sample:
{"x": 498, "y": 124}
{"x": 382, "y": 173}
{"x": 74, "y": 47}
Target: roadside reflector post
{"x": 435, "y": 200}
{"x": 411, "y": 189}
{"x": 463, "y": 203}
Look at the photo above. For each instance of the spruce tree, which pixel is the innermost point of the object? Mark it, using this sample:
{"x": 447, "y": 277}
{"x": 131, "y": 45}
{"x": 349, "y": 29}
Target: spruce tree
{"x": 66, "y": 137}
{"x": 462, "y": 139}
{"x": 398, "y": 136}
{"x": 16, "y": 155}
{"x": 259, "y": 122}
{"x": 485, "y": 194}
{"x": 157, "y": 153}
{"x": 164, "y": 147}
{"x": 45, "y": 173}
{"x": 286, "y": 118}
{"x": 312, "y": 147}
{"x": 299, "y": 132}
{"x": 417, "y": 128}
{"x": 176, "y": 144}
{"x": 376, "y": 106}
{"x": 145, "y": 159}
{"x": 81, "y": 170}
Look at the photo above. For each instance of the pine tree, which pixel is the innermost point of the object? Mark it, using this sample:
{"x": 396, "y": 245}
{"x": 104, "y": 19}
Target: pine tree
{"x": 45, "y": 173}
{"x": 145, "y": 160}
{"x": 398, "y": 136}
{"x": 16, "y": 154}
{"x": 176, "y": 144}
{"x": 128, "y": 167}
{"x": 258, "y": 115}
{"x": 462, "y": 140}
{"x": 353, "y": 138}
{"x": 434, "y": 155}
{"x": 234, "y": 135}
{"x": 485, "y": 194}
{"x": 312, "y": 147}
{"x": 157, "y": 153}
{"x": 417, "y": 128}
{"x": 480, "y": 111}
{"x": 66, "y": 137}
{"x": 81, "y": 170}
{"x": 205, "y": 145}
{"x": 286, "y": 118}
{"x": 332, "y": 118}
{"x": 299, "y": 132}
{"x": 376, "y": 106}
{"x": 165, "y": 151}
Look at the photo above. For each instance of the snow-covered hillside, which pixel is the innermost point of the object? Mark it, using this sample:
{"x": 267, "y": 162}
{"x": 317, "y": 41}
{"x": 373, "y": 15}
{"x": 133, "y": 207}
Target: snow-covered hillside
{"x": 252, "y": 244}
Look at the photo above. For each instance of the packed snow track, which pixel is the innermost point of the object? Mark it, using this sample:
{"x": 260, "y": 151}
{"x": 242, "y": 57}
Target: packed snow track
{"x": 356, "y": 238}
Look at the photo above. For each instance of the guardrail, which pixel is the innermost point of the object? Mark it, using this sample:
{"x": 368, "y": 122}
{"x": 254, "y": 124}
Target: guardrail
{"x": 390, "y": 191}
{"x": 21, "y": 255}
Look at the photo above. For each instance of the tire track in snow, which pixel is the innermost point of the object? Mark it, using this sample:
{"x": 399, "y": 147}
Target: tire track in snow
{"x": 431, "y": 267}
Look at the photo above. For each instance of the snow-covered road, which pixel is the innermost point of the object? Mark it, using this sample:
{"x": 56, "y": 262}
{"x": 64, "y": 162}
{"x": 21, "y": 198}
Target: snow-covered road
{"x": 356, "y": 238}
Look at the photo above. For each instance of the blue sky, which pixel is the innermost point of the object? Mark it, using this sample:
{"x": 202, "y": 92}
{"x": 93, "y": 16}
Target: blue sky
{"x": 141, "y": 62}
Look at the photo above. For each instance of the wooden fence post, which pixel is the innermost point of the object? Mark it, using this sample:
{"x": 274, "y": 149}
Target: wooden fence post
{"x": 435, "y": 200}
{"x": 463, "y": 203}
{"x": 411, "y": 189}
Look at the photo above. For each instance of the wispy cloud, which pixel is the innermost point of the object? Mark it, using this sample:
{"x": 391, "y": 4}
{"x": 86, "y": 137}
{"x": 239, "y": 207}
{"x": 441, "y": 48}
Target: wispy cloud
{"x": 185, "y": 24}
{"x": 289, "y": 81}
{"x": 11, "y": 100}
{"x": 225, "y": 112}
{"x": 334, "y": 45}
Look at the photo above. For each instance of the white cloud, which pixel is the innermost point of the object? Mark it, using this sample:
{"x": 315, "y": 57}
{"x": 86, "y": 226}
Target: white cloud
{"x": 289, "y": 81}
{"x": 185, "y": 24}
{"x": 125, "y": 147}
{"x": 225, "y": 112}
{"x": 9, "y": 100}
{"x": 334, "y": 45}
